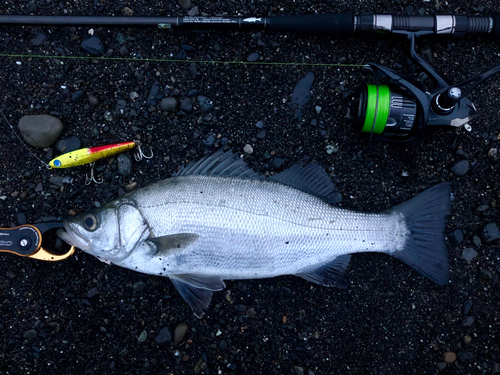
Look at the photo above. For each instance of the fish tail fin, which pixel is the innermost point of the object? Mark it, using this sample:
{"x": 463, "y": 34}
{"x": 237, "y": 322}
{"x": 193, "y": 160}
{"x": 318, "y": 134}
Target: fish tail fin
{"x": 425, "y": 218}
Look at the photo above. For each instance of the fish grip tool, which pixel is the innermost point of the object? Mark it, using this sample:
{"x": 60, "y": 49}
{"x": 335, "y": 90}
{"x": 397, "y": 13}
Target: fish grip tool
{"x": 404, "y": 109}
{"x": 26, "y": 241}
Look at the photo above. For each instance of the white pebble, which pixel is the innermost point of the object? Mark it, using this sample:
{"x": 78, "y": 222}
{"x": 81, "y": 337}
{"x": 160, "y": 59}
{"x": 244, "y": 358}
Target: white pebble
{"x": 248, "y": 149}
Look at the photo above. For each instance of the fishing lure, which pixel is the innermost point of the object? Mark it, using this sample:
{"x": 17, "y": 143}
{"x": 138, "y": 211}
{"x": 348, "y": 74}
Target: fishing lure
{"x": 90, "y": 155}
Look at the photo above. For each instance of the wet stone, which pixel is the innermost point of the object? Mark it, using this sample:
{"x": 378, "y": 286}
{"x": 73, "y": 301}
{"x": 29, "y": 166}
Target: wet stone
{"x": 248, "y": 149}
{"x": 168, "y": 104}
{"x": 460, "y": 168}
{"x": 143, "y": 336}
{"x": 77, "y": 94}
{"x": 194, "y": 11}
{"x": 467, "y": 307}
{"x": 261, "y": 134}
{"x": 468, "y": 321}
{"x": 491, "y": 232}
{"x": 449, "y": 357}
{"x": 186, "y": 105}
{"x": 259, "y": 124}
{"x": 469, "y": 254}
{"x": 278, "y": 162}
{"x": 40, "y": 130}
{"x": 209, "y": 141}
{"x": 93, "y": 46}
{"x": 138, "y": 286}
{"x": 205, "y": 103}
{"x": 31, "y": 334}
{"x": 121, "y": 104}
{"x": 38, "y": 39}
{"x": 253, "y": 57}
{"x": 457, "y": 236}
{"x": 164, "y": 336}
{"x": 152, "y": 94}
{"x": 180, "y": 332}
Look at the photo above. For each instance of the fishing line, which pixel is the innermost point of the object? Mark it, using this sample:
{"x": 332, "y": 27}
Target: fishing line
{"x": 22, "y": 142}
{"x": 178, "y": 61}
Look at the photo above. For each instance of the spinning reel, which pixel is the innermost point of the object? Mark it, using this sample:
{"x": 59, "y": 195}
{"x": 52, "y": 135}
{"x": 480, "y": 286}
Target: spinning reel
{"x": 403, "y": 109}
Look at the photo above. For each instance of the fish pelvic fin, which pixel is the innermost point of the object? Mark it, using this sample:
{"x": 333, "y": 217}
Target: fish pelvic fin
{"x": 197, "y": 290}
{"x": 330, "y": 274}
{"x": 425, "y": 247}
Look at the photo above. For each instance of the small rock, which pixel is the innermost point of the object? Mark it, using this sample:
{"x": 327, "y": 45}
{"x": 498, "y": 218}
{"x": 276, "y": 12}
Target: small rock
{"x": 460, "y": 168}
{"x": 93, "y": 46}
{"x": 124, "y": 162}
{"x": 465, "y": 356}
{"x": 278, "y": 162}
{"x": 205, "y": 103}
{"x": 318, "y": 109}
{"x": 131, "y": 186}
{"x": 179, "y": 332}
{"x": 330, "y": 149}
{"x": 468, "y": 321}
{"x": 493, "y": 153}
{"x": 253, "y": 57}
{"x": 127, "y": 12}
{"x": 121, "y": 104}
{"x": 38, "y": 39}
{"x": 477, "y": 241}
{"x": 40, "y": 130}
{"x": 164, "y": 336}
{"x": 143, "y": 336}
{"x": 298, "y": 370}
{"x": 491, "y": 232}
{"x": 194, "y": 11}
{"x": 185, "y": 4}
{"x": 168, "y": 104}
{"x": 469, "y": 254}
{"x": 93, "y": 100}
{"x": 57, "y": 180}
{"x": 152, "y": 94}
{"x": 209, "y": 142}
{"x": 449, "y": 357}
{"x": 68, "y": 144}
{"x": 457, "y": 236}
{"x": 138, "y": 286}
{"x": 77, "y": 94}
{"x": 467, "y": 339}
{"x": 186, "y": 105}
{"x": 467, "y": 306}
{"x": 31, "y": 334}
{"x": 259, "y": 124}
{"x": 261, "y": 134}
{"x": 248, "y": 149}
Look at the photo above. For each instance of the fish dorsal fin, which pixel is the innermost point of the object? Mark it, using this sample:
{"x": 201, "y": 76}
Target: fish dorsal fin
{"x": 309, "y": 178}
{"x": 197, "y": 290}
{"x": 227, "y": 164}
{"x": 330, "y": 274}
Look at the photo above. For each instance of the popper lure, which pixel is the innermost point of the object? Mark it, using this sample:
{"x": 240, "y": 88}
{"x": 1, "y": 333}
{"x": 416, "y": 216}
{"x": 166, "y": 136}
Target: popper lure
{"x": 91, "y": 154}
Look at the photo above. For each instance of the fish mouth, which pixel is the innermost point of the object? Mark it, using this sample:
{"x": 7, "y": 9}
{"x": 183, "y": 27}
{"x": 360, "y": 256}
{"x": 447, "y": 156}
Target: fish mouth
{"x": 70, "y": 236}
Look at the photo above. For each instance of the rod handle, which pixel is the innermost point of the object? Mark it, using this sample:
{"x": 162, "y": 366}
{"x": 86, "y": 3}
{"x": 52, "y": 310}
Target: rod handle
{"x": 331, "y": 24}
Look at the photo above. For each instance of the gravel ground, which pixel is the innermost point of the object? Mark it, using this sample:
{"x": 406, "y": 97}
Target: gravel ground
{"x": 81, "y": 316}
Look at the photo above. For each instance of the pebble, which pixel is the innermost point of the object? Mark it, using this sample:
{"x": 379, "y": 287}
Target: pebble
{"x": 120, "y": 38}
{"x": 330, "y": 149}
{"x": 138, "y": 286}
{"x": 468, "y": 321}
{"x": 469, "y": 254}
{"x": 209, "y": 142}
{"x": 93, "y": 100}
{"x": 143, "y": 336}
{"x": 298, "y": 370}
{"x": 467, "y": 306}
{"x": 77, "y": 94}
{"x": 38, "y": 39}
{"x": 253, "y": 57}
{"x": 133, "y": 95}
{"x": 152, "y": 94}
{"x": 68, "y": 144}
{"x": 491, "y": 232}
{"x": 259, "y": 124}
{"x": 460, "y": 168}
{"x": 278, "y": 162}
{"x": 40, "y": 130}
{"x": 465, "y": 356}
{"x": 477, "y": 241}
{"x": 261, "y": 134}
{"x": 449, "y": 357}
{"x": 186, "y": 105}
{"x": 164, "y": 336}
{"x": 168, "y": 104}
{"x": 457, "y": 236}
{"x": 124, "y": 162}
{"x": 127, "y": 12}
{"x": 121, "y": 104}
{"x": 131, "y": 186}
{"x": 194, "y": 11}
{"x": 467, "y": 339}
{"x": 318, "y": 109}
{"x": 248, "y": 149}
{"x": 185, "y": 4}
{"x": 31, "y": 334}
{"x": 205, "y": 103}
{"x": 180, "y": 332}
{"x": 57, "y": 180}
{"x": 93, "y": 46}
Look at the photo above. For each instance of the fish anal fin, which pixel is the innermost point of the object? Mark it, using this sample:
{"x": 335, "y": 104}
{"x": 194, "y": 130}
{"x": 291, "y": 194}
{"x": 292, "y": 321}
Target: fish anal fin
{"x": 173, "y": 242}
{"x": 330, "y": 274}
{"x": 197, "y": 290}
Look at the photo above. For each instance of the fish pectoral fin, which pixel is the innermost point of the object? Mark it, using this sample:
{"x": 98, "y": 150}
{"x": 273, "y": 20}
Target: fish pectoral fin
{"x": 330, "y": 274}
{"x": 179, "y": 241}
{"x": 197, "y": 290}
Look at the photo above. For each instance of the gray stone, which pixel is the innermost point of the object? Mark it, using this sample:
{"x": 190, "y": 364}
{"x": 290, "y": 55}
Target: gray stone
{"x": 491, "y": 232}
{"x": 460, "y": 168}
{"x": 124, "y": 162}
{"x": 31, "y": 334}
{"x": 467, "y": 321}
{"x": 253, "y": 57}
{"x": 469, "y": 254}
{"x": 38, "y": 39}
{"x": 457, "y": 236}
{"x": 205, "y": 103}
{"x": 185, "y": 4}
{"x": 164, "y": 336}
{"x": 168, "y": 104}
{"x": 194, "y": 11}
{"x": 138, "y": 286}
{"x": 40, "y": 130}
{"x": 186, "y": 105}
{"x": 93, "y": 46}
{"x": 467, "y": 306}
{"x": 179, "y": 332}
{"x": 143, "y": 336}
{"x": 68, "y": 144}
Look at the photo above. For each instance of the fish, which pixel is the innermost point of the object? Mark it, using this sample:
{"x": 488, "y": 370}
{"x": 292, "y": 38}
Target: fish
{"x": 217, "y": 219}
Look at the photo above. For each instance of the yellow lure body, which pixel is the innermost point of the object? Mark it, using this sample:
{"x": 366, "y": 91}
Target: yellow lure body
{"x": 89, "y": 155}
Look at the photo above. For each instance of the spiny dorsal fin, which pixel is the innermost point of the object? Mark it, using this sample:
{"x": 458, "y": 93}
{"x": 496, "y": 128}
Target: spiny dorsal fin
{"x": 310, "y": 178}
{"x": 227, "y": 164}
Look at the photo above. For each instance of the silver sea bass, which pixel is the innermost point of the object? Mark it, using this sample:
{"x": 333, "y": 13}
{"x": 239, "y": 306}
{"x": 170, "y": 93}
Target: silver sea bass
{"x": 217, "y": 219}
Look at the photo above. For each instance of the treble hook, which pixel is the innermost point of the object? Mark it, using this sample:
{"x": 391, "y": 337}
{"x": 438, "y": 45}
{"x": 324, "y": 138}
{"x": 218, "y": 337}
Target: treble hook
{"x": 139, "y": 155}
{"x": 89, "y": 180}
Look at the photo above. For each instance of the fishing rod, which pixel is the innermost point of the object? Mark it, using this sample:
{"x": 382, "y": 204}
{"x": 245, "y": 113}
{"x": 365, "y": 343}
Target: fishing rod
{"x": 336, "y": 24}
{"x": 398, "y": 111}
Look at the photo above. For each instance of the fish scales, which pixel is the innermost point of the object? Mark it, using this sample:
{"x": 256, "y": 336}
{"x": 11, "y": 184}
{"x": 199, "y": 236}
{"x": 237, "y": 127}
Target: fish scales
{"x": 255, "y": 228}
{"x": 216, "y": 219}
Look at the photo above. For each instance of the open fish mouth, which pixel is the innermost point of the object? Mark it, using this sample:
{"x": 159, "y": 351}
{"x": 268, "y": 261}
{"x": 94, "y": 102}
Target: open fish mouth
{"x": 70, "y": 236}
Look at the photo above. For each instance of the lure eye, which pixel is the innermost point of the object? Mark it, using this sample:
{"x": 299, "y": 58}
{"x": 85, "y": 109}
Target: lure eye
{"x": 90, "y": 222}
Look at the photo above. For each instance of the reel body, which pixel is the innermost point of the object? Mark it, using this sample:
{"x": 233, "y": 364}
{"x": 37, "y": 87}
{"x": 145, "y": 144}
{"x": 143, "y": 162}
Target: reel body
{"x": 403, "y": 109}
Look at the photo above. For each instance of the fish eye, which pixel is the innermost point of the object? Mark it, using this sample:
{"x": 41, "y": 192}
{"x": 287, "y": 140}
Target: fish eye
{"x": 90, "y": 222}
